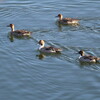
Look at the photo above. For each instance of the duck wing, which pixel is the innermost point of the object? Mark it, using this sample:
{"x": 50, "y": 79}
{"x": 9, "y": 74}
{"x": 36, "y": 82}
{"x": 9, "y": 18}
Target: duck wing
{"x": 21, "y": 32}
{"x": 69, "y": 19}
{"x": 91, "y": 57}
{"x": 53, "y": 49}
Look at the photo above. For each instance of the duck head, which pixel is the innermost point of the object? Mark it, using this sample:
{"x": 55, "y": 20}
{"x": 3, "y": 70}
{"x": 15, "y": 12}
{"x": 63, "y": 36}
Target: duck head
{"x": 42, "y": 43}
{"x": 12, "y": 26}
{"x": 81, "y": 52}
{"x": 60, "y": 16}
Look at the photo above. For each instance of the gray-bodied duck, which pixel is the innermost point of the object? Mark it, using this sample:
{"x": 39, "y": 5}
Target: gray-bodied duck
{"x": 18, "y": 33}
{"x": 66, "y": 21}
{"x": 87, "y": 58}
{"x": 49, "y": 49}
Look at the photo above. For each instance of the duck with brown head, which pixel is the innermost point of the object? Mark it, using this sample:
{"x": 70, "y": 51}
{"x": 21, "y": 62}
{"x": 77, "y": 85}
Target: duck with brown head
{"x": 87, "y": 58}
{"x": 49, "y": 49}
{"x": 66, "y": 21}
{"x": 18, "y": 33}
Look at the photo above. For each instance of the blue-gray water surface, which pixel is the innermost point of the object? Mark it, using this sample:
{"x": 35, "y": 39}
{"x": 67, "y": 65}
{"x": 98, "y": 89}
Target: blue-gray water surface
{"x": 25, "y": 74}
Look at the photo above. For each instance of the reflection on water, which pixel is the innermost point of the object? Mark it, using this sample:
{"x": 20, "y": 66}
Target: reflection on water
{"x": 11, "y": 37}
{"x": 41, "y": 56}
{"x": 90, "y": 66}
{"x": 60, "y": 26}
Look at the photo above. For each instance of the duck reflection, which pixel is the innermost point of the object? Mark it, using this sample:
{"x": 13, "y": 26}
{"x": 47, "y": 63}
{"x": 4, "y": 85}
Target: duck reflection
{"x": 41, "y": 56}
{"x": 61, "y": 26}
{"x": 11, "y": 37}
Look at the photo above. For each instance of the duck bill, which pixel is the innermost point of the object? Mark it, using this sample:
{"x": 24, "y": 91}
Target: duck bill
{"x": 56, "y": 16}
{"x": 8, "y": 25}
{"x": 76, "y": 53}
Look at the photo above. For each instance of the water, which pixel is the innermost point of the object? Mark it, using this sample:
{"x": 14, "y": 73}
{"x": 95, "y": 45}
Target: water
{"x": 25, "y": 74}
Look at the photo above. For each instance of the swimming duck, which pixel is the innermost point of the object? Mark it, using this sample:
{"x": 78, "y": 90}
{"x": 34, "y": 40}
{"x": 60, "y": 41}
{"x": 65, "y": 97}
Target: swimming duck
{"x": 67, "y": 21}
{"x": 48, "y": 49}
{"x": 18, "y": 33}
{"x": 87, "y": 58}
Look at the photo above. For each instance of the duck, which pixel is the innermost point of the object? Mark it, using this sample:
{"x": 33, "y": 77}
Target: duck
{"x": 18, "y": 33}
{"x": 48, "y": 49}
{"x": 66, "y": 21}
{"x": 87, "y": 58}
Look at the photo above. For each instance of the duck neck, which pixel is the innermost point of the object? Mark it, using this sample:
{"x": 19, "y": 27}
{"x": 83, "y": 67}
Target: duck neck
{"x": 12, "y": 29}
{"x": 82, "y": 54}
{"x": 42, "y": 46}
{"x": 61, "y": 17}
